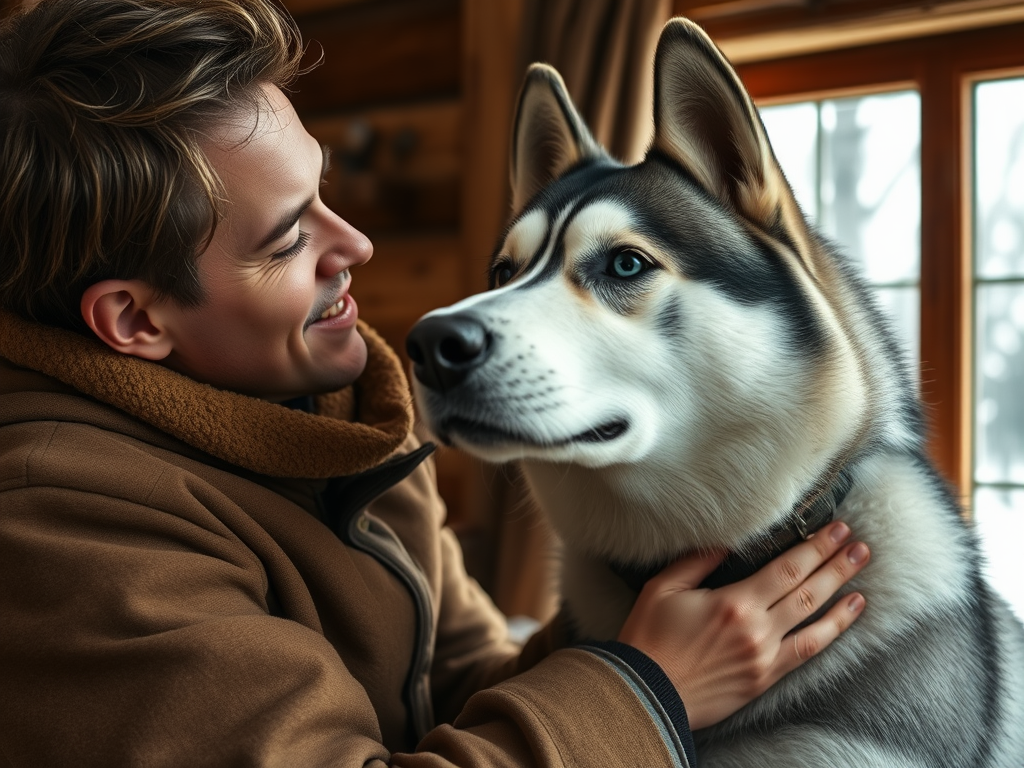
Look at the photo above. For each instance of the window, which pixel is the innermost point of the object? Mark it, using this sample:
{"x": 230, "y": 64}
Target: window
{"x": 998, "y": 245}
{"x": 854, "y": 165}
{"x": 960, "y": 303}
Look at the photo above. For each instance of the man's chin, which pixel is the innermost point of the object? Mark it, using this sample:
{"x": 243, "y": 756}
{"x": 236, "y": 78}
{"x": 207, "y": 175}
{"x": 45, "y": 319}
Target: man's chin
{"x": 320, "y": 373}
{"x": 347, "y": 365}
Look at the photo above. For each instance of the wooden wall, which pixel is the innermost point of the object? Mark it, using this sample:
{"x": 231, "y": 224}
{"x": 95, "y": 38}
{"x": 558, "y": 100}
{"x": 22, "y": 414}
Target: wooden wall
{"x": 725, "y": 19}
{"x": 397, "y": 84}
{"x": 760, "y": 30}
{"x": 386, "y": 98}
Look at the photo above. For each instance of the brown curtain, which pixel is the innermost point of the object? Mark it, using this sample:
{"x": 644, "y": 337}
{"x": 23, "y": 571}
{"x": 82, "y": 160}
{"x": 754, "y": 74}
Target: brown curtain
{"x": 604, "y": 50}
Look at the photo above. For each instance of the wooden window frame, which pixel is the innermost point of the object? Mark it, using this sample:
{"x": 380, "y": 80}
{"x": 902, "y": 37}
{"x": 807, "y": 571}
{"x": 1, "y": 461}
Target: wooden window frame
{"x": 943, "y": 68}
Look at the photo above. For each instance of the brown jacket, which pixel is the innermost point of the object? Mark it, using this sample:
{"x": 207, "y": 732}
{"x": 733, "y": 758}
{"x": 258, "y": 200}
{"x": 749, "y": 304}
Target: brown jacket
{"x": 191, "y": 577}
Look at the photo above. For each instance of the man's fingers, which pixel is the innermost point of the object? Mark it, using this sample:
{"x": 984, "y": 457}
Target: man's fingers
{"x": 689, "y": 571}
{"x": 788, "y": 571}
{"x": 797, "y": 647}
{"x": 820, "y": 586}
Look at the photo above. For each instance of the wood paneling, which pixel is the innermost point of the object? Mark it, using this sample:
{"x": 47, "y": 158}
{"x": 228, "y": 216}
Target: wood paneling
{"x": 733, "y": 18}
{"x": 408, "y": 276}
{"x": 378, "y": 53}
{"x": 492, "y": 74}
{"x": 758, "y": 30}
{"x": 395, "y": 168}
{"x": 305, "y": 7}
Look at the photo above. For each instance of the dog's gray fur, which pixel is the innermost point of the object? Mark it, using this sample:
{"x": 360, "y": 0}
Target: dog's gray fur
{"x": 692, "y": 404}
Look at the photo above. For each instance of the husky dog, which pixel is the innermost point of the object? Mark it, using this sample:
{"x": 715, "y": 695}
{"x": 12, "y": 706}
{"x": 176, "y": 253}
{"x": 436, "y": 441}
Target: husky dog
{"x": 680, "y": 362}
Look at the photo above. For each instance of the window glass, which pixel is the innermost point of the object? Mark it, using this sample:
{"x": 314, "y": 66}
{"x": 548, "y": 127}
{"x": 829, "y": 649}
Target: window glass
{"x": 871, "y": 182}
{"x": 903, "y": 305}
{"x": 793, "y": 132}
{"x": 999, "y": 178}
{"x": 999, "y": 330}
{"x": 854, "y": 165}
{"x": 999, "y": 395}
{"x": 999, "y": 517}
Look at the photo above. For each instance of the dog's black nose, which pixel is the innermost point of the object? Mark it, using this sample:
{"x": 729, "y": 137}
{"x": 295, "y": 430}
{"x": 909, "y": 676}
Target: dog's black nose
{"x": 445, "y": 348}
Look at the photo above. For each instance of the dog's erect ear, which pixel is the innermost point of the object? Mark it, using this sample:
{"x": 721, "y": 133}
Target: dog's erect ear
{"x": 548, "y": 137}
{"x": 705, "y": 120}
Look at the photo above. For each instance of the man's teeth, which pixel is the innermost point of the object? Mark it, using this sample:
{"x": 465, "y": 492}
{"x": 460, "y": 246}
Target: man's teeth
{"x": 333, "y": 310}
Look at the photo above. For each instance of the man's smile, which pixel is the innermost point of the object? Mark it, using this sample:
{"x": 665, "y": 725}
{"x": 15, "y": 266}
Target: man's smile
{"x": 336, "y": 300}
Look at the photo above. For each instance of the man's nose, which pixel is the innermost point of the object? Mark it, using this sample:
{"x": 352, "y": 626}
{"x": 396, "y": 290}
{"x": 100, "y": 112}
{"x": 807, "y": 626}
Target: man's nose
{"x": 348, "y": 247}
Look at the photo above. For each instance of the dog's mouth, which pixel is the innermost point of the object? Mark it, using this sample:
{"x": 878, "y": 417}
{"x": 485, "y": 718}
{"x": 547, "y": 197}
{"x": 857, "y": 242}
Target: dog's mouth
{"x": 487, "y": 435}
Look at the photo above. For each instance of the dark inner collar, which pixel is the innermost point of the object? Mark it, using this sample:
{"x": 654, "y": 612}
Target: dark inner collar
{"x": 813, "y": 512}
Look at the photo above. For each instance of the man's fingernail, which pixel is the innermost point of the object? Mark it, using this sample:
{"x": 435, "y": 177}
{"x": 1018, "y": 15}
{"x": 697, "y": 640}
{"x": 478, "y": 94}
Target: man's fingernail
{"x": 858, "y": 553}
{"x": 856, "y": 604}
{"x": 839, "y": 532}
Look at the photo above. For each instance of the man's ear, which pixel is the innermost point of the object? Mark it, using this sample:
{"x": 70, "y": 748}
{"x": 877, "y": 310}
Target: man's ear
{"x": 126, "y": 316}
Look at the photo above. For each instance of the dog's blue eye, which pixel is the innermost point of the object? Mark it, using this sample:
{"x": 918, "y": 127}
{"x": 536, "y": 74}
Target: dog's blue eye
{"x": 628, "y": 264}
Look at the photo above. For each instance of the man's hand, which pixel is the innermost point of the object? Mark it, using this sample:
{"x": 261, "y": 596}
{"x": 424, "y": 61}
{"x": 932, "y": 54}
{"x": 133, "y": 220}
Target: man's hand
{"x": 722, "y": 648}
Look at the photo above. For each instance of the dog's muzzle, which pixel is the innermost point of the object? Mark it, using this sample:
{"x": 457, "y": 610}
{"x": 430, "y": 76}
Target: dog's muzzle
{"x": 444, "y": 349}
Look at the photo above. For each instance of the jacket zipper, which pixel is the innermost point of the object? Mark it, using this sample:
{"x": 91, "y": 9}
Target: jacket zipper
{"x": 374, "y": 537}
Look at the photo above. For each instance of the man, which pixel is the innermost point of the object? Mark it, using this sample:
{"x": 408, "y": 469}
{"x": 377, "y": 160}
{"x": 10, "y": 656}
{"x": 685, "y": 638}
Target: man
{"x": 220, "y": 544}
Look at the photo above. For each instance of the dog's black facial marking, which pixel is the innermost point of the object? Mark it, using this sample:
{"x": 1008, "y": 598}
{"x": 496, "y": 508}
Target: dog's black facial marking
{"x": 705, "y": 240}
{"x": 670, "y": 320}
{"x": 760, "y": 277}
{"x": 555, "y": 199}
{"x": 710, "y": 246}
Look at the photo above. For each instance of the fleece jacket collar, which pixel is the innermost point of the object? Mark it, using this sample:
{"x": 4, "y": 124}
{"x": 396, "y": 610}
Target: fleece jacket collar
{"x": 352, "y": 430}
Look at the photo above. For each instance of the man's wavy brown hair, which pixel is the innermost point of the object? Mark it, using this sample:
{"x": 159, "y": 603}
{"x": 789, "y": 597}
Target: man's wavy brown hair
{"x": 103, "y": 104}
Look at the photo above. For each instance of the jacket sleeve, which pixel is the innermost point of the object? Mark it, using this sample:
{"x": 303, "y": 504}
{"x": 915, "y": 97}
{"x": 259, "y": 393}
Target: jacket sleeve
{"x": 134, "y": 634}
{"x": 546, "y": 704}
{"x": 136, "y": 637}
{"x": 582, "y": 706}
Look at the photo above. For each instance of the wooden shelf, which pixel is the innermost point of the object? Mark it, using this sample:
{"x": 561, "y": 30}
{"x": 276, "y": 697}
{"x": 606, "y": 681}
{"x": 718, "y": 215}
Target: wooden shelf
{"x": 379, "y": 53}
{"x": 395, "y": 168}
